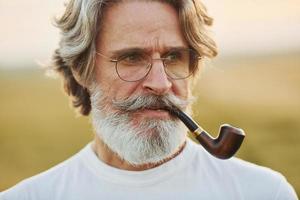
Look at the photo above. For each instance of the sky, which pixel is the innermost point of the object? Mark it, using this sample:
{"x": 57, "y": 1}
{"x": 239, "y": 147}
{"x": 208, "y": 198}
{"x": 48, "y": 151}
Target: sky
{"x": 243, "y": 27}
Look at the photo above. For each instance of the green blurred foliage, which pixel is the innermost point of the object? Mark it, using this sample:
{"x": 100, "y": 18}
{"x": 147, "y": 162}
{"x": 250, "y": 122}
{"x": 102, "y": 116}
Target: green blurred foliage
{"x": 259, "y": 94}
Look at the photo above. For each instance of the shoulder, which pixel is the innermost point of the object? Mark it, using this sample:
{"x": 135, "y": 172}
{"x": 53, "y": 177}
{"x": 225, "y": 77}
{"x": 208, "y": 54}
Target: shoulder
{"x": 233, "y": 166}
{"x": 45, "y": 184}
{"x": 262, "y": 179}
{"x": 242, "y": 168}
{"x": 250, "y": 179}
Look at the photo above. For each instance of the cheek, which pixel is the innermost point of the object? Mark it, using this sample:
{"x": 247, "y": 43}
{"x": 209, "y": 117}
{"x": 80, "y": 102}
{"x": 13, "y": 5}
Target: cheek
{"x": 181, "y": 88}
{"x": 112, "y": 86}
{"x": 121, "y": 89}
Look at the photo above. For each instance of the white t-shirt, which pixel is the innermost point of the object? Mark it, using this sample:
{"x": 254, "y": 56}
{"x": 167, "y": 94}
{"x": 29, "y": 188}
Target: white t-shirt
{"x": 193, "y": 174}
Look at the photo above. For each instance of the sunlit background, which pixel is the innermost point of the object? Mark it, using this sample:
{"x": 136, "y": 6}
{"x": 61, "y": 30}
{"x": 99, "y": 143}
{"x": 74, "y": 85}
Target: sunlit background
{"x": 254, "y": 84}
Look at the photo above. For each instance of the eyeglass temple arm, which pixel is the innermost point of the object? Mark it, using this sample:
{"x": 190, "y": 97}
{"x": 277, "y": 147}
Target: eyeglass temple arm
{"x": 111, "y": 60}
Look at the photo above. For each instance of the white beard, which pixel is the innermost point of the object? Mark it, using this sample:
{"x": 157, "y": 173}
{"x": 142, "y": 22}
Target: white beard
{"x": 153, "y": 141}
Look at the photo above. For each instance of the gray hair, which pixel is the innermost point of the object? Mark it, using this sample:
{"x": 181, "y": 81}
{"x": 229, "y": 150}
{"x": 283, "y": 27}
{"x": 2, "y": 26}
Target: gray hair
{"x": 80, "y": 26}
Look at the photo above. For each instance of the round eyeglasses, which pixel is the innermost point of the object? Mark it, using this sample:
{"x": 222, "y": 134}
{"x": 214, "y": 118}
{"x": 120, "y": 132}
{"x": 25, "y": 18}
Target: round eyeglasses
{"x": 135, "y": 65}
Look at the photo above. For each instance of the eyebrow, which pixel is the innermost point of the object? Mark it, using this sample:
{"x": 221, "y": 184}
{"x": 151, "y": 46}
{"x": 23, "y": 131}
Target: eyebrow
{"x": 116, "y": 53}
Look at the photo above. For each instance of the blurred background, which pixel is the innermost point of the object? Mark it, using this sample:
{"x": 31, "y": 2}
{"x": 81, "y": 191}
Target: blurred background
{"x": 254, "y": 84}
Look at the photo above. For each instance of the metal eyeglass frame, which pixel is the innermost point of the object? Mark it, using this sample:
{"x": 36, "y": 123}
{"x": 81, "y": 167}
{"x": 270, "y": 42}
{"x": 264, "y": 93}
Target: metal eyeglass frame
{"x": 150, "y": 63}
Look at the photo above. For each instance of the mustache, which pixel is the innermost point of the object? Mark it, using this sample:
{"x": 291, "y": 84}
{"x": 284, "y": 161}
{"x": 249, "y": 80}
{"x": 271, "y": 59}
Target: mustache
{"x": 150, "y": 101}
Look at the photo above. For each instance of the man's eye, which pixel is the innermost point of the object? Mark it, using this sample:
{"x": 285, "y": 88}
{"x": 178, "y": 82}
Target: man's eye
{"x": 173, "y": 57}
{"x": 132, "y": 58}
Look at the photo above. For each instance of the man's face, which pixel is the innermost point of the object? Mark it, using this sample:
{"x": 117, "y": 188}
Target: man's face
{"x": 152, "y": 27}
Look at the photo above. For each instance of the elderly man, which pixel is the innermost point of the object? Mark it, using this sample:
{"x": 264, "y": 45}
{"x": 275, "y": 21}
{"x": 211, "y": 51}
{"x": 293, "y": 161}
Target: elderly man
{"x": 125, "y": 62}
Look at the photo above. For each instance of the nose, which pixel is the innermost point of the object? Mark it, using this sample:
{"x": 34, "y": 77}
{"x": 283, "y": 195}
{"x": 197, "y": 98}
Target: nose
{"x": 157, "y": 81}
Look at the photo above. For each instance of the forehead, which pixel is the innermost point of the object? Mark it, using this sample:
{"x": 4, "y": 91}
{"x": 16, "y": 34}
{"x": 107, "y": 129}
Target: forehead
{"x": 149, "y": 24}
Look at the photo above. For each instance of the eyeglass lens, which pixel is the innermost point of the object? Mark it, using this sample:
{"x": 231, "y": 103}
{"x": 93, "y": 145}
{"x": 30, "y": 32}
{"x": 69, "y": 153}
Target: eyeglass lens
{"x": 179, "y": 64}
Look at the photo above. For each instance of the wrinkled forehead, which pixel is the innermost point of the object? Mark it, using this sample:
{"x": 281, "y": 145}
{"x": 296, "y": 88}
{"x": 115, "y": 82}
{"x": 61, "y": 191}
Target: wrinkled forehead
{"x": 140, "y": 23}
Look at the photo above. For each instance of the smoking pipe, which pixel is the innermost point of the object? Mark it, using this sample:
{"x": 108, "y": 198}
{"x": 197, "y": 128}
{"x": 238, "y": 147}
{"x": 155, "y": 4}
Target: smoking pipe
{"x": 224, "y": 146}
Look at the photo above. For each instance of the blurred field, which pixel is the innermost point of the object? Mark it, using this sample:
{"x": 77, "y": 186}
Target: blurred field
{"x": 260, "y": 94}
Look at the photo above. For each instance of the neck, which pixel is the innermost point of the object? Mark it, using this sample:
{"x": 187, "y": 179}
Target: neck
{"x": 105, "y": 154}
